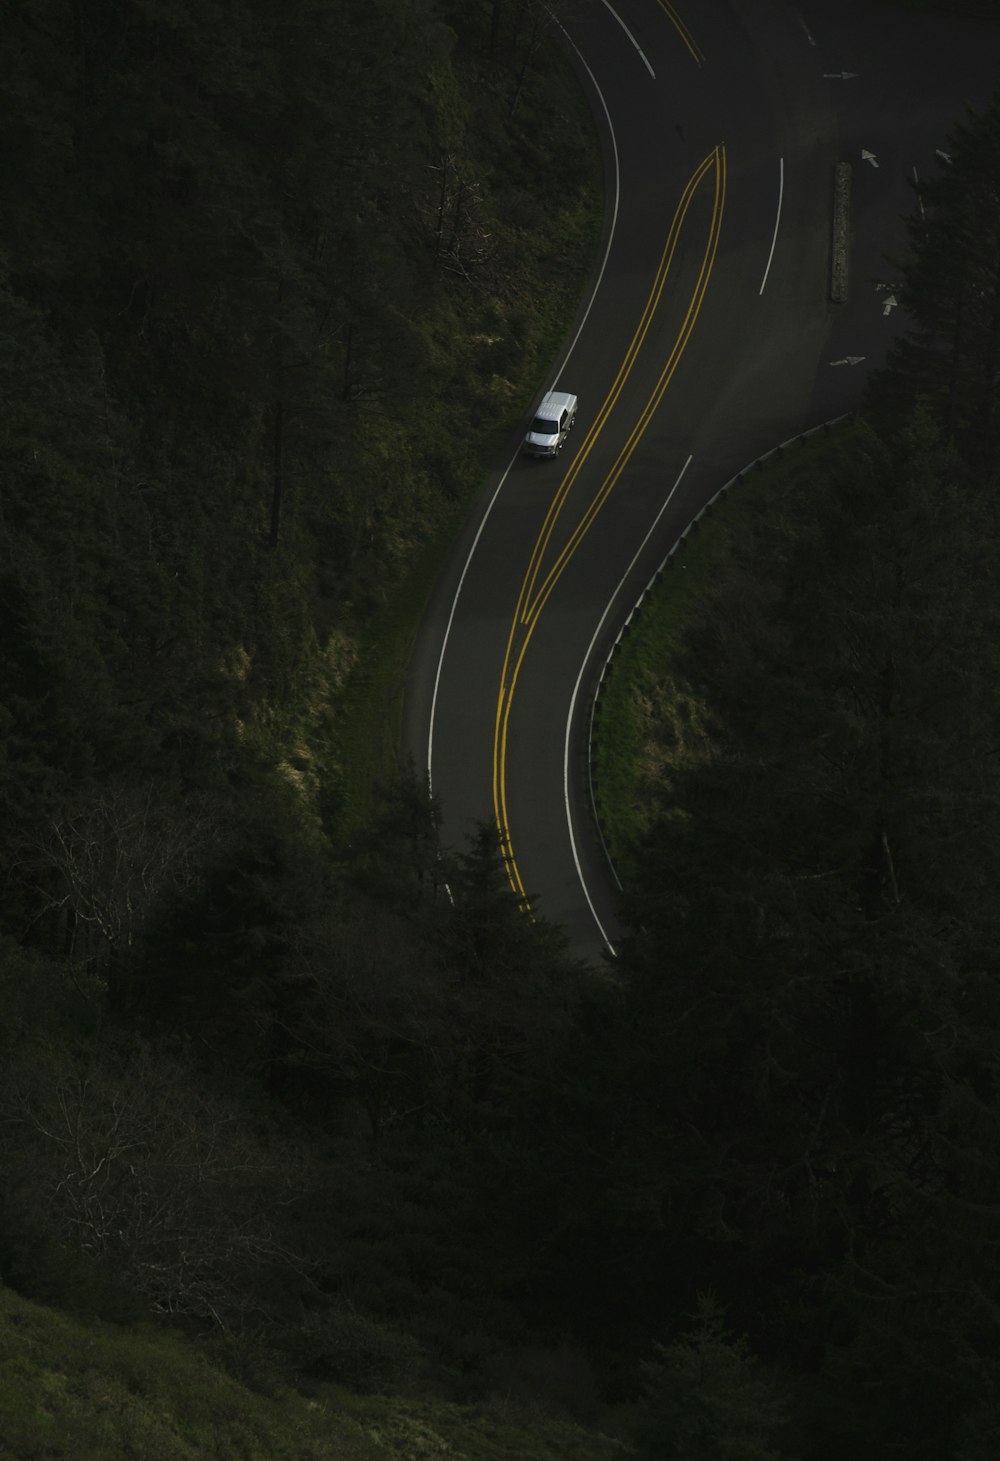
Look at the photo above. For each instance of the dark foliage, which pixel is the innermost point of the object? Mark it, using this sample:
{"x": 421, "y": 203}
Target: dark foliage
{"x": 952, "y": 290}
{"x": 344, "y": 1097}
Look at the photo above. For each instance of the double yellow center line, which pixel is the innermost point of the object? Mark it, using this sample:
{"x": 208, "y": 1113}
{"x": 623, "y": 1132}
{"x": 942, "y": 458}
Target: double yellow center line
{"x": 532, "y": 597}
{"x": 697, "y": 55}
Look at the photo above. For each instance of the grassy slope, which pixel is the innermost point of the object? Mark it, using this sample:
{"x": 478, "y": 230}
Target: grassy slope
{"x": 97, "y": 1392}
{"x": 644, "y": 715}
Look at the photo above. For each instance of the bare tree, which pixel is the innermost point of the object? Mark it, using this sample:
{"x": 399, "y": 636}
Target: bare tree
{"x": 142, "y": 1167}
{"x": 462, "y": 244}
{"x": 102, "y": 863}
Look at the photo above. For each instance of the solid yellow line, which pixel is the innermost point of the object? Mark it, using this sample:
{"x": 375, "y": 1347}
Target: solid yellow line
{"x": 617, "y": 386}
{"x": 570, "y": 477}
{"x": 506, "y": 697}
{"x": 556, "y": 505}
{"x": 673, "y": 359}
{"x": 682, "y": 30}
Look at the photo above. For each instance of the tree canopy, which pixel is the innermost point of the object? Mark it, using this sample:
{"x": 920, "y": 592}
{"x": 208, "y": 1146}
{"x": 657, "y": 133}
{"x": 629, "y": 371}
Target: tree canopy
{"x": 317, "y": 1085}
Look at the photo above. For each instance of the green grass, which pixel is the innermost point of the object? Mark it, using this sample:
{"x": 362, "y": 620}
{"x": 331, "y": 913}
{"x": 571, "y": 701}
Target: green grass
{"x": 71, "y": 1391}
{"x": 644, "y": 714}
{"x": 633, "y": 691}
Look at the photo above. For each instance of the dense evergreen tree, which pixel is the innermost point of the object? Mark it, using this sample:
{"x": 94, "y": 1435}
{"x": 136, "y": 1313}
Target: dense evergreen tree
{"x": 951, "y": 289}
{"x": 256, "y": 263}
{"x": 706, "y": 1399}
{"x": 814, "y": 979}
{"x": 259, "y": 270}
{"x": 236, "y": 280}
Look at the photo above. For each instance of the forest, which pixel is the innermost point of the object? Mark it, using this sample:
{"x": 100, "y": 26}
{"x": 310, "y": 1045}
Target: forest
{"x": 265, "y": 1093}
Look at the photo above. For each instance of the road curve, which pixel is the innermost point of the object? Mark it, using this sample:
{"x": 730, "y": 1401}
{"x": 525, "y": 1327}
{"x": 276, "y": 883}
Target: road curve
{"x": 707, "y": 336}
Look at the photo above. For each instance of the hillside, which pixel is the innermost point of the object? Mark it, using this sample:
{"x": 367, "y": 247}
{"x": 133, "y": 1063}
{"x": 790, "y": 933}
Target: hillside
{"x": 97, "y": 1392}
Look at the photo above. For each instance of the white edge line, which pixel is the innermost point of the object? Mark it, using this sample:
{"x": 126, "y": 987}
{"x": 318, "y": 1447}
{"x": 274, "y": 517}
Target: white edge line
{"x": 562, "y": 365}
{"x": 777, "y": 221}
{"x": 630, "y": 36}
{"x": 572, "y": 707}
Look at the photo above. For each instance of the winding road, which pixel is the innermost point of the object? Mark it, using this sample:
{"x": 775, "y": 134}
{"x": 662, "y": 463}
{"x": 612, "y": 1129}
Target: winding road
{"x": 706, "y": 337}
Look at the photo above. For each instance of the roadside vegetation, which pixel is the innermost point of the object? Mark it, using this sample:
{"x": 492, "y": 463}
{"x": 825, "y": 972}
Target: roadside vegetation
{"x": 648, "y": 722}
{"x": 796, "y": 760}
{"x": 300, "y": 1154}
{"x": 98, "y": 1392}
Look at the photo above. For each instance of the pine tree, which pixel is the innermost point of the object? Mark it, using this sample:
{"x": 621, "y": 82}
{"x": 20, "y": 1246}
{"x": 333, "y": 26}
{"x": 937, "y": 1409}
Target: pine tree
{"x": 952, "y": 289}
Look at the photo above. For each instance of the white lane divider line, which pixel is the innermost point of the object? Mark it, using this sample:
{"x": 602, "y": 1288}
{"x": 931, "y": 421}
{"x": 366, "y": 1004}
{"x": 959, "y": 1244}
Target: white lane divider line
{"x": 612, "y": 229}
{"x": 809, "y": 34}
{"x": 920, "y": 201}
{"x": 777, "y": 221}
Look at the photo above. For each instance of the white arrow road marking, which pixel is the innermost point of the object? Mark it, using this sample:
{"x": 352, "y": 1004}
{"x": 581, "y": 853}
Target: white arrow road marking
{"x": 867, "y": 156}
{"x": 849, "y": 360}
{"x": 890, "y": 305}
{"x": 839, "y": 75}
{"x": 943, "y": 156}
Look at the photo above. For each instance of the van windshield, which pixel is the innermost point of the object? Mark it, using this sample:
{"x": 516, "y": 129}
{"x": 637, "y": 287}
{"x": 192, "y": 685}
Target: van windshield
{"x": 544, "y": 427}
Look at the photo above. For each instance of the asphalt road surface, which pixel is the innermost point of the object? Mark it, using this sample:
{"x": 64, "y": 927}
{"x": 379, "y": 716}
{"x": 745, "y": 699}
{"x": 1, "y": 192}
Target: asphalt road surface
{"x": 706, "y": 337}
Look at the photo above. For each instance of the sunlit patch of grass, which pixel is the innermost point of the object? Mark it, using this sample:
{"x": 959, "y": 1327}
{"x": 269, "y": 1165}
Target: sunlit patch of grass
{"x": 71, "y": 1391}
